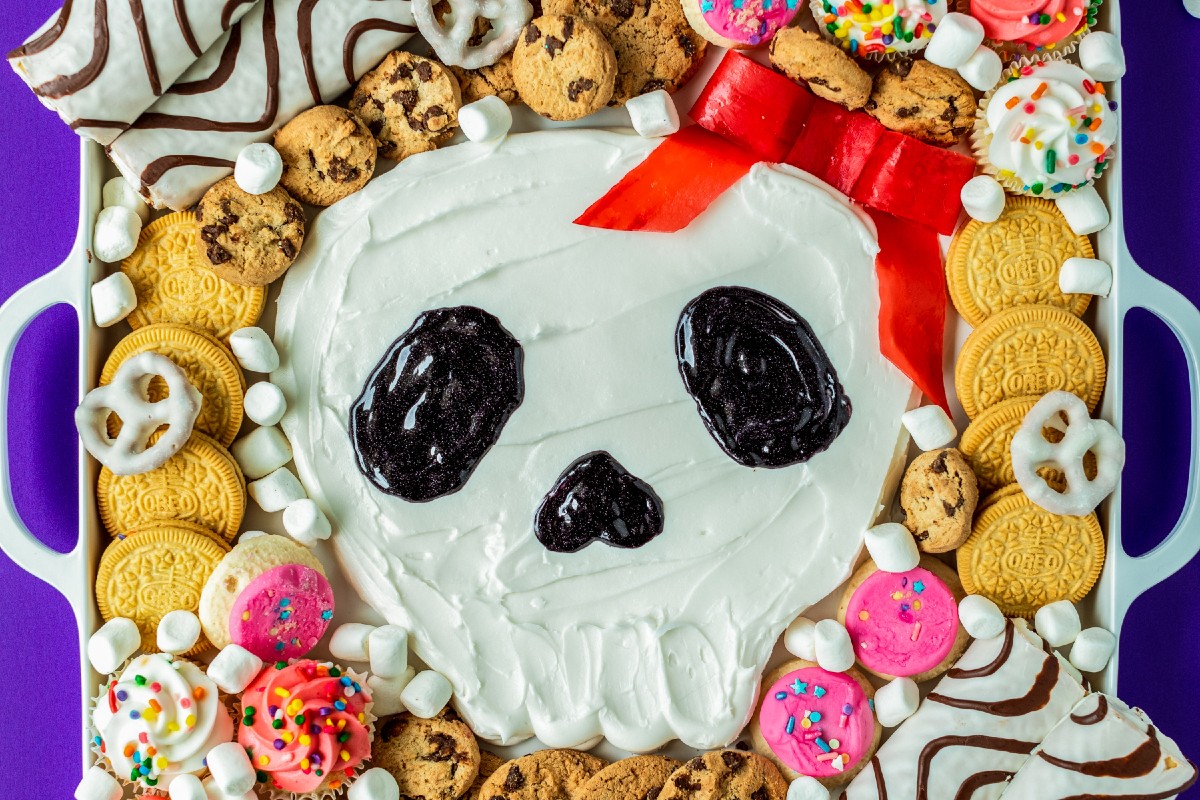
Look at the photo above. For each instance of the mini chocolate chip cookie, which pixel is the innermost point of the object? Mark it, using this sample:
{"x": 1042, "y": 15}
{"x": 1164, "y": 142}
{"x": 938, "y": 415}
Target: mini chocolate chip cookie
{"x": 563, "y": 67}
{"x": 655, "y": 46}
{"x": 488, "y": 764}
{"x": 726, "y": 775}
{"x": 927, "y": 102}
{"x": 826, "y": 68}
{"x": 495, "y": 80}
{"x": 409, "y": 103}
{"x": 249, "y": 239}
{"x": 939, "y": 494}
{"x": 636, "y": 778}
{"x": 328, "y": 154}
{"x": 431, "y": 759}
{"x": 544, "y": 775}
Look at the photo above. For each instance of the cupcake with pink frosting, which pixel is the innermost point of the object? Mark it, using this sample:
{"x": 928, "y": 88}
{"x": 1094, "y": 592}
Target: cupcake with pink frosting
{"x": 1024, "y": 27}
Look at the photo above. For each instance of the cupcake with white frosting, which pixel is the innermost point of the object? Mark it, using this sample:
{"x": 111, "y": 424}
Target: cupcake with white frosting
{"x": 879, "y": 31}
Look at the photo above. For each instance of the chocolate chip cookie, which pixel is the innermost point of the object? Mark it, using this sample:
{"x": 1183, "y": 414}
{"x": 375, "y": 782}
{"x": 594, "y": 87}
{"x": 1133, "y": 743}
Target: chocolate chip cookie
{"x": 637, "y": 778}
{"x": 409, "y": 103}
{"x": 495, "y": 80}
{"x": 828, "y": 71}
{"x": 655, "y": 46}
{"x": 488, "y": 764}
{"x": 328, "y": 154}
{"x": 726, "y": 775}
{"x": 925, "y": 101}
{"x": 564, "y": 68}
{"x": 249, "y": 239}
{"x": 939, "y": 494}
{"x": 431, "y": 759}
{"x": 544, "y": 775}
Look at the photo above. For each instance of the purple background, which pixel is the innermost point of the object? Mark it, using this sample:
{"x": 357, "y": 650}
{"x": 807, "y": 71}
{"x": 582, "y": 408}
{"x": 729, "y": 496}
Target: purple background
{"x": 40, "y": 157}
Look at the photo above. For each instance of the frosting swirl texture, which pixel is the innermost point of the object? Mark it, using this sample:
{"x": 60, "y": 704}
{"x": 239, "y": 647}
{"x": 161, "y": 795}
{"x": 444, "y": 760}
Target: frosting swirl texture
{"x": 862, "y": 27}
{"x": 1036, "y": 23}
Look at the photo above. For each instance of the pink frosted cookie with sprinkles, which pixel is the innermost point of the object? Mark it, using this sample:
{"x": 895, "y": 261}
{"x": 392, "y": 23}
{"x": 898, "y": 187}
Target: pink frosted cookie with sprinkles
{"x": 740, "y": 24}
{"x": 904, "y": 624}
{"x": 283, "y": 613}
{"x": 813, "y": 722}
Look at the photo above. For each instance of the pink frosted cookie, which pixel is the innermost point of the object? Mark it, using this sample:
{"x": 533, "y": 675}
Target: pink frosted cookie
{"x": 904, "y": 624}
{"x": 739, "y": 24}
{"x": 816, "y": 723}
{"x": 283, "y": 613}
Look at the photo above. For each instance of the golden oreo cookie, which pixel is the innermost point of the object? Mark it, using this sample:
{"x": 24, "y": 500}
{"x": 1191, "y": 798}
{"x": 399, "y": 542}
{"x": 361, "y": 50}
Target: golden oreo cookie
{"x": 1023, "y": 557}
{"x": 201, "y": 484}
{"x": 156, "y": 570}
{"x": 173, "y": 285}
{"x": 209, "y": 366}
{"x": 1014, "y": 261}
{"x": 1028, "y": 350}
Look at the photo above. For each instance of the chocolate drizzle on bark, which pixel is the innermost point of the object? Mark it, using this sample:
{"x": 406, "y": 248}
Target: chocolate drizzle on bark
{"x": 996, "y": 663}
{"x": 935, "y": 746}
{"x": 143, "y": 34}
{"x": 1093, "y": 717}
{"x": 356, "y": 32}
{"x": 1036, "y": 698}
{"x": 304, "y": 40}
{"x": 1141, "y": 761}
{"x": 185, "y": 28}
{"x": 48, "y": 36}
{"x": 219, "y": 75}
{"x": 159, "y": 167}
{"x": 230, "y": 7}
{"x": 64, "y": 85}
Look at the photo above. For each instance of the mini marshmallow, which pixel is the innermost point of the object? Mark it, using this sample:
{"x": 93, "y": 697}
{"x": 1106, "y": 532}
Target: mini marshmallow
{"x": 1092, "y": 649}
{"x": 896, "y": 701}
{"x": 388, "y": 650}
{"x": 653, "y": 114}
{"x": 258, "y": 168}
{"x": 1057, "y": 623}
{"x": 386, "y": 692}
{"x": 807, "y": 787}
{"x": 982, "y": 70}
{"x": 486, "y": 120}
{"x": 178, "y": 631}
{"x": 261, "y": 452}
{"x": 426, "y": 694}
{"x": 113, "y": 299}
{"x": 1084, "y": 209}
{"x": 1101, "y": 54}
{"x": 116, "y": 234}
{"x": 231, "y": 769}
{"x": 799, "y": 638}
{"x": 351, "y": 642}
{"x": 1192, "y": 7}
{"x": 277, "y": 491}
{"x": 234, "y": 668}
{"x": 1085, "y": 276}
{"x": 892, "y": 547}
{"x": 981, "y": 617}
{"x": 930, "y": 427}
{"x": 983, "y": 198}
{"x": 98, "y": 785}
{"x": 119, "y": 192}
{"x": 213, "y": 793}
{"x": 831, "y": 641}
{"x": 186, "y": 787}
{"x": 112, "y": 644}
{"x": 956, "y": 39}
{"x": 305, "y": 522}
{"x": 375, "y": 784}
{"x": 264, "y": 404}
{"x": 254, "y": 350}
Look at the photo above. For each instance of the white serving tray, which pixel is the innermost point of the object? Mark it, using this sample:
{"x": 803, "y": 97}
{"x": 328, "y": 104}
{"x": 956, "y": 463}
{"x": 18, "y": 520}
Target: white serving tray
{"x": 72, "y": 574}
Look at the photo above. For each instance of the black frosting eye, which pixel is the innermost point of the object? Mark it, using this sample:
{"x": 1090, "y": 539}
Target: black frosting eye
{"x": 762, "y": 383}
{"x": 436, "y": 403}
{"x": 597, "y": 499}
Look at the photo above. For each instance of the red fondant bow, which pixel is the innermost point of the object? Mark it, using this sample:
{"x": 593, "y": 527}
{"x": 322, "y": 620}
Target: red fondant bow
{"x": 910, "y": 189}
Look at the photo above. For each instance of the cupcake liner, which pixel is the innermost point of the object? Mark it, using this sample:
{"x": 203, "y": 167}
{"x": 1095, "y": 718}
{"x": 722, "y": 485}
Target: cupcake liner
{"x": 818, "y": 11}
{"x": 1012, "y": 51}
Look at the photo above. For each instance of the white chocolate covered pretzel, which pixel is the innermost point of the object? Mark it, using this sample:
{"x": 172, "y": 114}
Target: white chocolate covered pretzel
{"x": 453, "y": 37}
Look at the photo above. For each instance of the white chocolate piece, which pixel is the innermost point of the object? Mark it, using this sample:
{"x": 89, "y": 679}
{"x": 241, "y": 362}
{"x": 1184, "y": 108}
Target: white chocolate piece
{"x": 115, "y": 236}
{"x": 426, "y": 694}
{"x": 277, "y": 491}
{"x": 120, "y": 192}
{"x": 892, "y": 547}
{"x": 896, "y": 701}
{"x": 1102, "y": 56}
{"x": 113, "y": 299}
{"x": 186, "y": 787}
{"x": 351, "y": 642}
{"x": 799, "y": 638}
{"x": 262, "y": 451}
{"x": 653, "y": 114}
{"x": 930, "y": 427}
{"x": 386, "y": 692}
{"x": 1092, "y": 649}
{"x": 254, "y": 350}
{"x": 178, "y": 631}
{"x": 488, "y": 119}
{"x": 231, "y": 769}
{"x": 388, "y": 651}
{"x": 111, "y": 645}
{"x": 1057, "y": 623}
{"x": 98, "y": 785}
{"x": 806, "y": 787}
{"x": 233, "y": 669}
{"x": 305, "y": 522}
{"x": 956, "y": 39}
{"x": 983, "y": 198}
{"x": 265, "y": 404}
{"x": 374, "y": 784}
{"x": 1085, "y": 276}
{"x": 1084, "y": 209}
{"x": 450, "y": 37}
{"x": 981, "y": 617}
{"x": 982, "y": 70}
{"x": 834, "y": 650}
{"x": 258, "y": 168}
